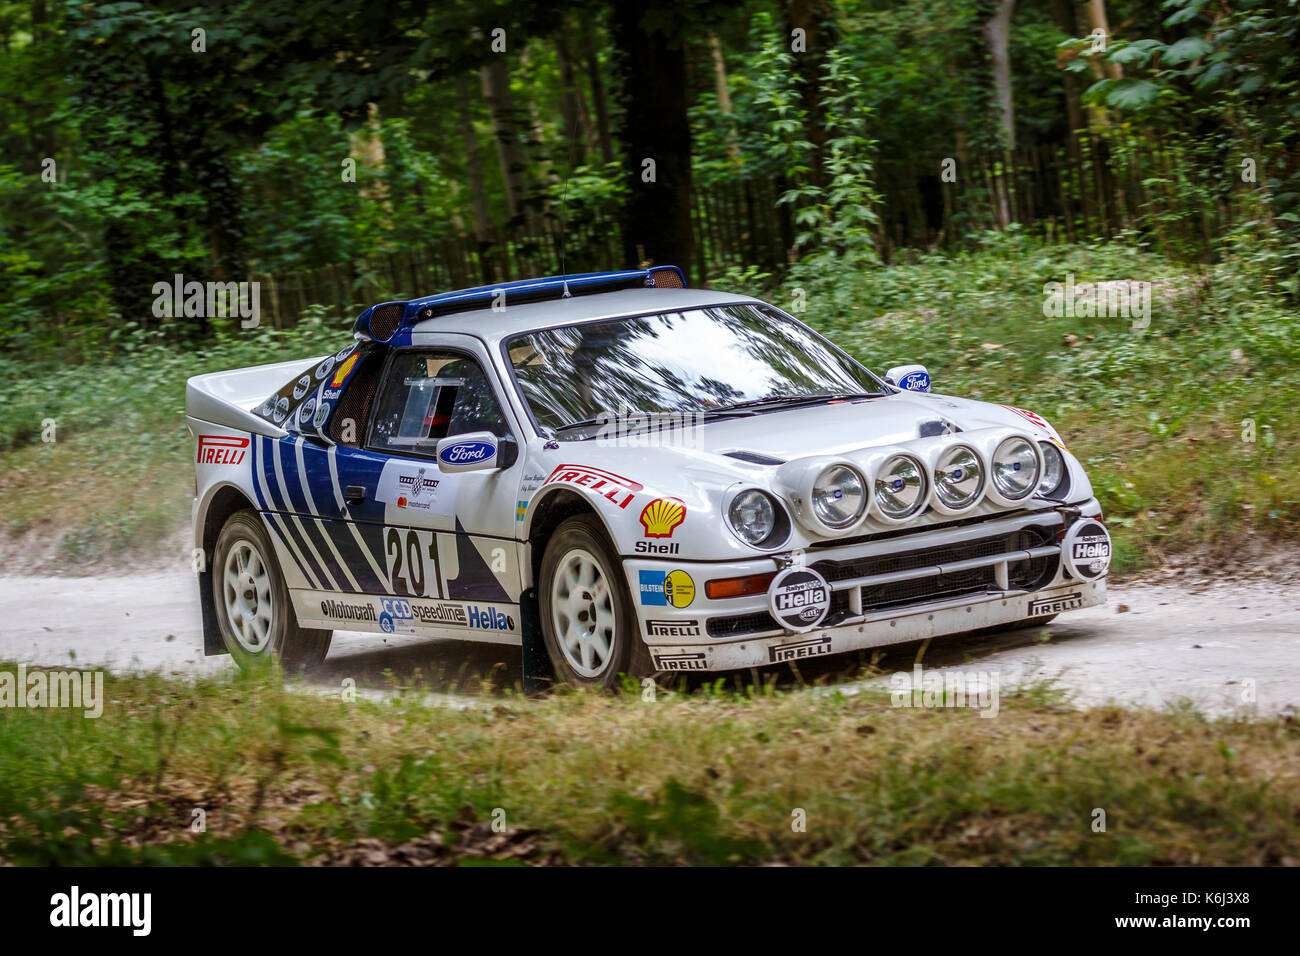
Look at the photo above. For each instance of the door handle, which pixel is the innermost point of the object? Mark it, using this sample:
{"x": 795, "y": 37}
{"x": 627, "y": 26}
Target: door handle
{"x": 354, "y": 494}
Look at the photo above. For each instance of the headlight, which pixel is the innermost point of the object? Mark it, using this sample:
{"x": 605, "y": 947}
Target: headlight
{"x": 838, "y": 498}
{"x": 900, "y": 487}
{"x": 1053, "y": 469}
{"x": 753, "y": 516}
{"x": 958, "y": 477}
{"x": 1015, "y": 468}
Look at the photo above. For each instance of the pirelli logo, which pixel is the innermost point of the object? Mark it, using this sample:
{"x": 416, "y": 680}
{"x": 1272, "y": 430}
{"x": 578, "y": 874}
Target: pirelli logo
{"x": 679, "y": 662}
{"x": 221, "y": 450}
{"x": 673, "y": 628}
{"x": 799, "y": 650}
{"x": 1055, "y": 605}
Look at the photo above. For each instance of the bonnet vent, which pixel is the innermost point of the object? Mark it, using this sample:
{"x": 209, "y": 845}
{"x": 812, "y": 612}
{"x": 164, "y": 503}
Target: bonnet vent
{"x": 754, "y": 458}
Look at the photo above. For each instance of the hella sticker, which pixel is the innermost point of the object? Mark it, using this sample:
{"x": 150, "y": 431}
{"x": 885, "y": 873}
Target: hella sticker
{"x": 1086, "y": 550}
{"x": 799, "y": 598}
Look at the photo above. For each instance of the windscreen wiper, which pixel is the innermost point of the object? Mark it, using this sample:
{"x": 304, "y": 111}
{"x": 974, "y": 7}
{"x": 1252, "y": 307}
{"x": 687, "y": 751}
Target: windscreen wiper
{"x": 788, "y": 400}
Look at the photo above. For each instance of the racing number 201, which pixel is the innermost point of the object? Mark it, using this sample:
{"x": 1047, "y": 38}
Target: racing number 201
{"x": 406, "y": 566}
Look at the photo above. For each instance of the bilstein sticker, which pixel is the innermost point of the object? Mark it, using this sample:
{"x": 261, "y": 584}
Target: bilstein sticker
{"x": 671, "y": 589}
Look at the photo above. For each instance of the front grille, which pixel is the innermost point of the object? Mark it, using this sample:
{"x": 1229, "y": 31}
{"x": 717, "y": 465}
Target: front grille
{"x": 920, "y": 590}
{"x": 760, "y": 621}
{"x": 1029, "y": 575}
{"x": 742, "y": 624}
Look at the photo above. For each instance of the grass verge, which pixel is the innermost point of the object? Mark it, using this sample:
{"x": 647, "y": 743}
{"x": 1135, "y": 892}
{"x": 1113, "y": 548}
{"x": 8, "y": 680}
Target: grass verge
{"x": 714, "y": 777}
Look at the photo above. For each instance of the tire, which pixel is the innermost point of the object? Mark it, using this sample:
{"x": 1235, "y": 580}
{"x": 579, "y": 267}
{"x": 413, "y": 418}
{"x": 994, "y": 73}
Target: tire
{"x": 254, "y": 613}
{"x": 591, "y": 633}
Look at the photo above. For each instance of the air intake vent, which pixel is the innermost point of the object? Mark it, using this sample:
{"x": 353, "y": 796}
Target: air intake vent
{"x": 385, "y": 319}
{"x": 754, "y": 458}
{"x": 667, "y": 279}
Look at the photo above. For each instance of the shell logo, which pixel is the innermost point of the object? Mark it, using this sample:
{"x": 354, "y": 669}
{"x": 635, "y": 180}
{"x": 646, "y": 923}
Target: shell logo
{"x": 661, "y": 516}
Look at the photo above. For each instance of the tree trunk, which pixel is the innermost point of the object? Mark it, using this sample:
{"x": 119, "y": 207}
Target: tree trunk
{"x": 816, "y": 18}
{"x": 501, "y": 107}
{"x": 997, "y": 34}
{"x": 366, "y": 146}
{"x": 1097, "y": 21}
{"x": 724, "y": 93}
{"x": 591, "y": 63}
{"x": 572, "y": 107}
{"x": 473, "y": 163}
{"x": 1063, "y": 14}
{"x": 653, "y": 92}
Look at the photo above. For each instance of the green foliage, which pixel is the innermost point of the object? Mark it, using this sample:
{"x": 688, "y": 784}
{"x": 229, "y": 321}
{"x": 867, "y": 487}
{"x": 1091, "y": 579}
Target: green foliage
{"x": 1224, "y": 93}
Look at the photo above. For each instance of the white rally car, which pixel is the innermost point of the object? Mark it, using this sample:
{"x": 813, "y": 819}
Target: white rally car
{"x": 621, "y": 475}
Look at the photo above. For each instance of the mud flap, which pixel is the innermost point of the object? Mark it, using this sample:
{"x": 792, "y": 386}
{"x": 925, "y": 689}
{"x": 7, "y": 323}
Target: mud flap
{"x": 212, "y": 642}
{"x": 538, "y": 674}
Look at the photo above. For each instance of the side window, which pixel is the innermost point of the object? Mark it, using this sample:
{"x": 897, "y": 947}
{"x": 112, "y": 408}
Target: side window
{"x": 430, "y": 395}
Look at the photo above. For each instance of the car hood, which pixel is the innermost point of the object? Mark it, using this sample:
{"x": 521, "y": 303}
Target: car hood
{"x": 837, "y": 428}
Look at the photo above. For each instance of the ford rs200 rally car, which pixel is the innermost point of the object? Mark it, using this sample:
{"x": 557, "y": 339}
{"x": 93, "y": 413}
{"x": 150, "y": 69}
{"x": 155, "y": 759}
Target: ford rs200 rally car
{"x": 622, "y": 475}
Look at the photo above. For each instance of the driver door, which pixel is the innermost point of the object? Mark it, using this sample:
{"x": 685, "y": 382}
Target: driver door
{"x": 442, "y": 543}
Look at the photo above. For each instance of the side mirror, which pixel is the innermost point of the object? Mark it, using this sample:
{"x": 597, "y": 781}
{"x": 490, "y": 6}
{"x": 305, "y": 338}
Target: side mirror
{"x": 911, "y": 378}
{"x": 476, "y": 451}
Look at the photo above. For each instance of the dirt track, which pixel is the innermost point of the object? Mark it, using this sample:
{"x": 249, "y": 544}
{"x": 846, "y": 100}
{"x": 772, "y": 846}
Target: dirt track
{"x": 1203, "y": 644}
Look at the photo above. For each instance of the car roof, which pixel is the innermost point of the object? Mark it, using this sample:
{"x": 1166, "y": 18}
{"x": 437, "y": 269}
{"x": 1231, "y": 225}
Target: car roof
{"x": 527, "y": 317}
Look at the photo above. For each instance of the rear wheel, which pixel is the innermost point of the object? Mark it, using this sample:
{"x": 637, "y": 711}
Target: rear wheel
{"x": 588, "y": 622}
{"x": 254, "y": 613}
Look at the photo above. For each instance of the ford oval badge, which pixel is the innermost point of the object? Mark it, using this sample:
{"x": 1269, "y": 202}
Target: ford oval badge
{"x": 915, "y": 382}
{"x": 467, "y": 453}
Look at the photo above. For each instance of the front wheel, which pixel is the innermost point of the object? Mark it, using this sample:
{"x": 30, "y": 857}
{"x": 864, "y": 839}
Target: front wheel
{"x": 588, "y": 622}
{"x": 254, "y": 613}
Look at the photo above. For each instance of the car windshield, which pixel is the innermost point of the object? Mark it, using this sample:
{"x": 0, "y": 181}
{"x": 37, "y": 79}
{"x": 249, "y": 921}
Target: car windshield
{"x": 707, "y": 360}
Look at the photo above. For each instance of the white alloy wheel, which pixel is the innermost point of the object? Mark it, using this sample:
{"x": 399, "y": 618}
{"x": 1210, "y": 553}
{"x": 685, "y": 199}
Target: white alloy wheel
{"x": 246, "y": 590}
{"x": 582, "y": 613}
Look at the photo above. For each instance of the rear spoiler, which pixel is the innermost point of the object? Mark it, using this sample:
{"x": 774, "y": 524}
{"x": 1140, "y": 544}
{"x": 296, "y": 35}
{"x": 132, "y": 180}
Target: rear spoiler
{"x": 228, "y": 398}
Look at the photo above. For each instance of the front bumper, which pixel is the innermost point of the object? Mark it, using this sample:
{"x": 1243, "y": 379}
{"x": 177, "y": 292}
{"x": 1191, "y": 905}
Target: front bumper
{"x": 885, "y": 591}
